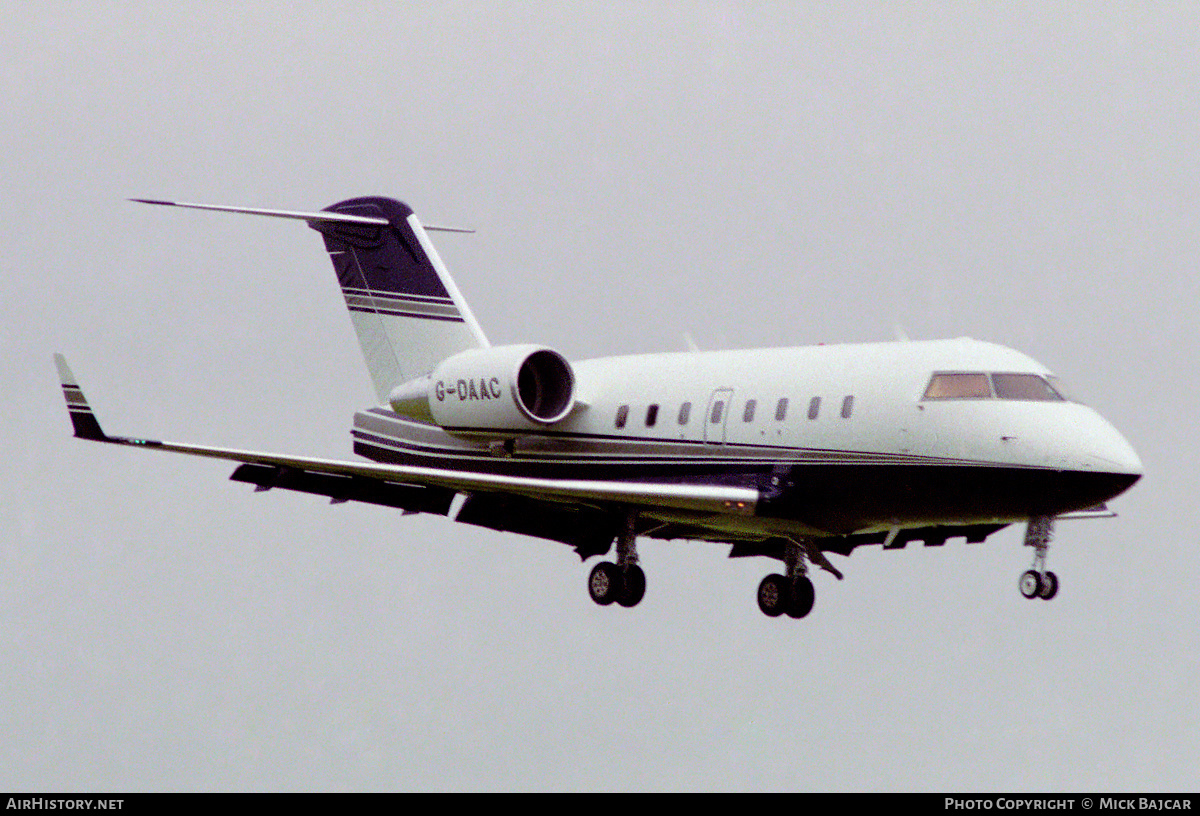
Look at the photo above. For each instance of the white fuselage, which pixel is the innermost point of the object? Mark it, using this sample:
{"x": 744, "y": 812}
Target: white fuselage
{"x": 887, "y": 415}
{"x": 858, "y": 448}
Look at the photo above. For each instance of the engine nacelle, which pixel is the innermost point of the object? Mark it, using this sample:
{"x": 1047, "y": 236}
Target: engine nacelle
{"x": 493, "y": 391}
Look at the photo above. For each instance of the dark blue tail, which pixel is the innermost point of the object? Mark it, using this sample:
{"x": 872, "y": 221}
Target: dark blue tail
{"x": 407, "y": 312}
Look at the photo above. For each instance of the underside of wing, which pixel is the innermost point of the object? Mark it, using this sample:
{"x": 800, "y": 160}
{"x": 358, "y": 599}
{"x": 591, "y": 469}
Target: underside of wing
{"x": 421, "y": 488}
{"x": 583, "y": 524}
{"x": 689, "y": 498}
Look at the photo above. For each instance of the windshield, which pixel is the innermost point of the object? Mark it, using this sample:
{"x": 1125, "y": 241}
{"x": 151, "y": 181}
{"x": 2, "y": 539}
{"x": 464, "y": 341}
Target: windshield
{"x": 1023, "y": 387}
{"x": 958, "y": 386}
{"x": 981, "y": 385}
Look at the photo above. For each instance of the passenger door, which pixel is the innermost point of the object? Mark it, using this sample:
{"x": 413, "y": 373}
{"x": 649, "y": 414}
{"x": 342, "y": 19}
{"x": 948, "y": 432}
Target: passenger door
{"x": 717, "y": 415}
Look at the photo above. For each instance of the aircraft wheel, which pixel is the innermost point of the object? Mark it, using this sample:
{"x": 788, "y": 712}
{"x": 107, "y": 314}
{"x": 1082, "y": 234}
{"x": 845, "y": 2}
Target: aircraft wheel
{"x": 803, "y": 597}
{"x": 774, "y": 595}
{"x": 605, "y": 584}
{"x": 1031, "y": 584}
{"x": 1049, "y": 586}
{"x": 633, "y": 586}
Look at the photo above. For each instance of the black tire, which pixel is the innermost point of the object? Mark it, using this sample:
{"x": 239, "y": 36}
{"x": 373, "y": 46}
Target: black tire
{"x": 633, "y": 586}
{"x": 605, "y": 584}
{"x": 803, "y": 598}
{"x": 774, "y": 595}
{"x": 1049, "y": 586}
{"x": 1030, "y": 584}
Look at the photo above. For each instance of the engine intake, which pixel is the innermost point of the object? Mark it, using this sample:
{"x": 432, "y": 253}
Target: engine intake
{"x": 492, "y": 392}
{"x": 545, "y": 386}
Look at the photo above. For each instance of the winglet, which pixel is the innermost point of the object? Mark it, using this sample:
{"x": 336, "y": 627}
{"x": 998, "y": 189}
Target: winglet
{"x": 82, "y": 418}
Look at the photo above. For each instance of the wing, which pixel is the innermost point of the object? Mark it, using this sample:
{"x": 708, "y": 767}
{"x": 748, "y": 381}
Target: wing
{"x": 409, "y": 487}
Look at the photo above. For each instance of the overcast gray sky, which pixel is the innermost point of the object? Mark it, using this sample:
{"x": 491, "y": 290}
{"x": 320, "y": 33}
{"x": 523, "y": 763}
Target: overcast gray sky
{"x": 754, "y": 173}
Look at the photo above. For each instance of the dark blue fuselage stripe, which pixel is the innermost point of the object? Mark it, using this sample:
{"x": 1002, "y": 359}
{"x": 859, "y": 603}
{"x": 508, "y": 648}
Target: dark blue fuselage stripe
{"x": 465, "y": 457}
{"x": 577, "y": 458}
{"x": 753, "y": 452}
{"x": 401, "y": 426}
{"x": 737, "y": 473}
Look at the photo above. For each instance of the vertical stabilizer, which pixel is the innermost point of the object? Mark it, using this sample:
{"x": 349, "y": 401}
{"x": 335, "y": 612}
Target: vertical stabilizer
{"x": 407, "y": 312}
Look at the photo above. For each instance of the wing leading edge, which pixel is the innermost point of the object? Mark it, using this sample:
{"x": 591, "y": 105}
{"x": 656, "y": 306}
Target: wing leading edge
{"x": 384, "y": 479}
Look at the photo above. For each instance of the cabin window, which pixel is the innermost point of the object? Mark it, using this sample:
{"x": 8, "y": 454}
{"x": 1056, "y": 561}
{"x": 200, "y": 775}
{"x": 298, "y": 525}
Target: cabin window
{"x": 1023, "y": 387}
{"x": 748, "y": 414}
{"x": 685, "y": 413}
{"x": 718, "y": 408}
{"x": 958, "y": 386}
{"x": 622, "y": 415}
{"x": 651, "y": 416}
{"x": 814, "y": 407}
{"x": 847, "y": 407}
{"x": 781, "y": 410}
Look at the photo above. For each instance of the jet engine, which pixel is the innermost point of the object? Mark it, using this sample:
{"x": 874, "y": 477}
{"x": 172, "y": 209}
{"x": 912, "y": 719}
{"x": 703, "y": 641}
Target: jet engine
{"x": 492, "y": 391}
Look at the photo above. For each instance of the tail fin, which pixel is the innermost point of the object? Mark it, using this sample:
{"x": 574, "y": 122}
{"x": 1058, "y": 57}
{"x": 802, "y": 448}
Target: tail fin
{"x": 407, "y": 312}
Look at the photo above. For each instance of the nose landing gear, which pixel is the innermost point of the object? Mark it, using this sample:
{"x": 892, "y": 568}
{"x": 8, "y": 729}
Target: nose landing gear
{"x": 1039, "y": 582}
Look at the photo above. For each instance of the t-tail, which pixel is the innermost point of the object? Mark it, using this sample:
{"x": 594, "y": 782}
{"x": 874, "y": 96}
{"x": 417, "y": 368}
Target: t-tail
{"x": 405, "y": 308}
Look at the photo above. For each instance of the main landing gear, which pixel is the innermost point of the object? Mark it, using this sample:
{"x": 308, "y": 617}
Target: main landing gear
{"x": 792, "y": 594}
{"x": 623, "y": 582}
{"x": 1039, "y": 582}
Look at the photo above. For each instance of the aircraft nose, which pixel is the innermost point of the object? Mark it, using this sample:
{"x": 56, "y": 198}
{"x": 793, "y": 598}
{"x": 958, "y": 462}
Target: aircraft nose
{"x": 1111, "y": 452}
{"x": 1108, "y": 464}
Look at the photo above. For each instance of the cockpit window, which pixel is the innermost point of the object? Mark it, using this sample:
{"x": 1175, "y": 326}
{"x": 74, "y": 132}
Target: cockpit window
{"x": 978, "y": 385}
{"x": 958, "y": 386}
{"x": 1060, "y": 388}
{"x": 1023, "y": 387}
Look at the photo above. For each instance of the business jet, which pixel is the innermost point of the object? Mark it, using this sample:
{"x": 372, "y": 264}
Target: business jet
{"x": 790, "y": 454}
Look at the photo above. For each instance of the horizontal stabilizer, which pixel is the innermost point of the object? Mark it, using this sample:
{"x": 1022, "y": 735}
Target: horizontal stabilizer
{"x": 312, "y": 217}
{"x": 405, "y": 309}
{"x": 331, "y": 217}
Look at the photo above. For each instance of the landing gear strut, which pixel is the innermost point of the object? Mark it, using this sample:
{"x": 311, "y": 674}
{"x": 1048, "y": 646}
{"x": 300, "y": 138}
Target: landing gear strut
{"x": 792, "y": 594}
{"x": 623, "y": 582}
{"x": 1038, "y": 582}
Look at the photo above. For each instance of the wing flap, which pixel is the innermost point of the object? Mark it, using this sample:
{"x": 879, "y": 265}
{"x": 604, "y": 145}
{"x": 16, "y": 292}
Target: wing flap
{"x": 588, "y": 530}
{"x": 342, "y": 488}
